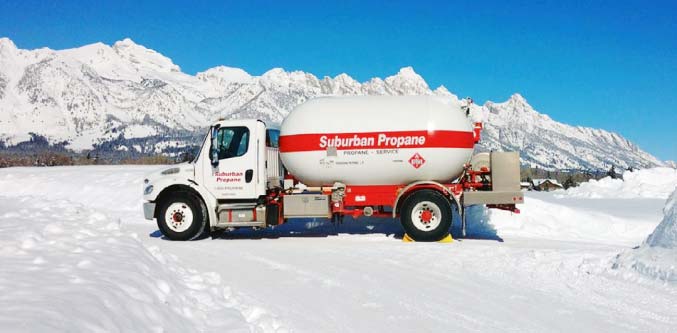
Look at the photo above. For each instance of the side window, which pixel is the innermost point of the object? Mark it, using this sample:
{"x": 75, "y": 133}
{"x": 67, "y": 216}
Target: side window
{"x": 233, "y": 142}
{"x": 244, "y": 144}
{"x": 273, "y": 138}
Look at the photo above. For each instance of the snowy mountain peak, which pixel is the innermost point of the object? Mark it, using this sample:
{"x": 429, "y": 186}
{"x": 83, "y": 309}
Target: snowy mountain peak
{"x": 407, "y": 82}
{"x": 7, "y": 44}
{"x": 443, "y": 91}
{"x": 518, "y": 99}
{"x": 95, "y": 52}
{"x": 94, "y": 46}
{"x": 127, "y": 42}
{"x": 409, "y": 72}
{"x": 225, "y": 75}
{"x": 514, "y": 106}
{"x": 275, "y": 72}
{"x": 7, "y": 49}
{"x": 141, "y": 56}
{"x": 345, "y": 78}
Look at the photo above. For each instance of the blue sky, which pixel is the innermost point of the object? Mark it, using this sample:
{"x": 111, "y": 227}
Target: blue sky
{"x": 606, "y": 64}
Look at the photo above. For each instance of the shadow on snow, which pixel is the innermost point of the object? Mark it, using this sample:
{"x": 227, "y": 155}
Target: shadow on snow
{"x": 478, "y": 227}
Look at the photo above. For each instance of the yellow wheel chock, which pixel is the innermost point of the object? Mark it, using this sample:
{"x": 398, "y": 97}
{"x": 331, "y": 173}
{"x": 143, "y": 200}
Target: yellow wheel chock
{"x": 446, "y": 239}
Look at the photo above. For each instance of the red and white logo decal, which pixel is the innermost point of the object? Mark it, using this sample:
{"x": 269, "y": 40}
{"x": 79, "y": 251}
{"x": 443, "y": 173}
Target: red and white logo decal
{"x": 417, "y": 160}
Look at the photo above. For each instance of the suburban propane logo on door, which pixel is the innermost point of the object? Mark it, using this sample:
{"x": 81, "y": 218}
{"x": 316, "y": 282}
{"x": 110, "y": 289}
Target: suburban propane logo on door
{"x": 228, "y": 177}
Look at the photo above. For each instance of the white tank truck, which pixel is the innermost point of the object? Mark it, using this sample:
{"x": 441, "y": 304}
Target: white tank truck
{"x": 406, "y": 156}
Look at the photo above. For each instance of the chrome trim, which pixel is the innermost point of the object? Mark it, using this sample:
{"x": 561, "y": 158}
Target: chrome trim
{"x": 243, "y": 205}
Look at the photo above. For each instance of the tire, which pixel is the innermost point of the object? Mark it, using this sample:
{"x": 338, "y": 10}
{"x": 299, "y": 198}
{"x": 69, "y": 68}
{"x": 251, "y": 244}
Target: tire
{"x": 182, "y": 217}
{"x": 426, "y": 216}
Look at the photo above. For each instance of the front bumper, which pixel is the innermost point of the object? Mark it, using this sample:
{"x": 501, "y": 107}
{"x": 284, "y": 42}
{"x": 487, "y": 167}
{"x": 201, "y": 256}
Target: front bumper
{"x": 149, "y": 210}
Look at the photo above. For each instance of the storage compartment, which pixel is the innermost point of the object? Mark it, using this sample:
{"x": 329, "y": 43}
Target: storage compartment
{"x": 306, "y": 205}
{"x": 505, "y": 180}
{"x": 237, "y": 215}
{"x": 505, "y": 171}
{"x": 241, "y": 214}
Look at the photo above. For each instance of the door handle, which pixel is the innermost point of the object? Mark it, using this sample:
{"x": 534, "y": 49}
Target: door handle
{"x": 248, "y": 175}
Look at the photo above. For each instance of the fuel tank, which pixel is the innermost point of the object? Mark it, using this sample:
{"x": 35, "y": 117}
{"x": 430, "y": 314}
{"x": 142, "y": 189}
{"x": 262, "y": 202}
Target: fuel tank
{"x": 376, "y": 140}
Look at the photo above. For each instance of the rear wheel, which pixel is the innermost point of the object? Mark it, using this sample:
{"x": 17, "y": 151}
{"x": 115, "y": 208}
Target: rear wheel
{"x": 181, "y": 217}
{"x": 426, "y": 216}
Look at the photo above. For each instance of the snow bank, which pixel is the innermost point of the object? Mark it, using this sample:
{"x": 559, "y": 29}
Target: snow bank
{"x": 74, "y": 265}
{"x": 665, "y": 234}
{"x": 657, "y": 256}
{"x": 646, "y": 183}
{"x": 604, "y": 221}
{"x": 623, "y": 211}
{"x": 69, "y": 268}
{"x": 117, "y": 190}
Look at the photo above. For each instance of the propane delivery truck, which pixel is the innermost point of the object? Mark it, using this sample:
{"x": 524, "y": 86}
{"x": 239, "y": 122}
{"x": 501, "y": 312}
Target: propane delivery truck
{"x": 382, "y": 156}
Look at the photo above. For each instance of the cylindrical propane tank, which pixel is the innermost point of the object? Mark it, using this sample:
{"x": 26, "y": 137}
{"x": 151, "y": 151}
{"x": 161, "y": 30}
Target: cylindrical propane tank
{"x": 376, "y": 140}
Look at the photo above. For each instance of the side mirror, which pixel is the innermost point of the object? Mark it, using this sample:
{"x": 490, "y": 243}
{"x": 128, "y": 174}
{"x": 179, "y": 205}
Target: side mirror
{"x": 214, "y": 149}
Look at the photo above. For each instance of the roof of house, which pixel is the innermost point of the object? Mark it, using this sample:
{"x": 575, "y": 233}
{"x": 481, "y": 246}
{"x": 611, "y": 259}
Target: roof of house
{"x": 539, "y": 182}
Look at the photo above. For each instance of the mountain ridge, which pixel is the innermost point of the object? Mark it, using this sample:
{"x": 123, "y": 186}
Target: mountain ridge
{"x": 98, "y": 93}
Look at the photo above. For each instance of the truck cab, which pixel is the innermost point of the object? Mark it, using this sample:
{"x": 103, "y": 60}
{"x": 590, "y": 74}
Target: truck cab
{"x": 228, "y": 179}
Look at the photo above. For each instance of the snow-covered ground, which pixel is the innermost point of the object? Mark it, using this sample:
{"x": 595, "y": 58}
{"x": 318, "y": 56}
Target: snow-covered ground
{"x": 77, "y": 255}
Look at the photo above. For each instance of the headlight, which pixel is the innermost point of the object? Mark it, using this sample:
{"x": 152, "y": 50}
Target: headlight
{"x": 148, "y": 190}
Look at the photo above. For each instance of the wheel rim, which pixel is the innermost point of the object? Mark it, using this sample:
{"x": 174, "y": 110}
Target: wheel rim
{"x": 426, "y": 216}
{"x": 179, "y": 217}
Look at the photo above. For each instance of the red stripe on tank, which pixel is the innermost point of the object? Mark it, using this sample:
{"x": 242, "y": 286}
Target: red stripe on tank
{"x": 376, "y": 140}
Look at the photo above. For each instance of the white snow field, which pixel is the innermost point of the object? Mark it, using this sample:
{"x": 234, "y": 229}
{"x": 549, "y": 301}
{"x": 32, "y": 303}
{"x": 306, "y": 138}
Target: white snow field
{"x": 77, "y": 255}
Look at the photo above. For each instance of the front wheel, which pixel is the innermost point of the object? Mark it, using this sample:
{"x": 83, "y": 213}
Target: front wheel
{"x": 181, "y": 217}
{"x": 426, "y": 216}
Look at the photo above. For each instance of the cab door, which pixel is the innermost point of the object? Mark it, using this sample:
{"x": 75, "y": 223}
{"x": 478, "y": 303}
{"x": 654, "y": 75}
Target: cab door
{"x": 236, "y": 176}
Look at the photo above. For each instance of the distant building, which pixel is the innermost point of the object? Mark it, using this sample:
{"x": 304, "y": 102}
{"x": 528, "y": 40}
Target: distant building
{"x": 547, "y": 185}
{"x": 526, "y": 186}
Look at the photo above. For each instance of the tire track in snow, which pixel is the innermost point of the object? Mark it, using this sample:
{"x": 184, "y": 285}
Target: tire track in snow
{"x": 258, "y": 317}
